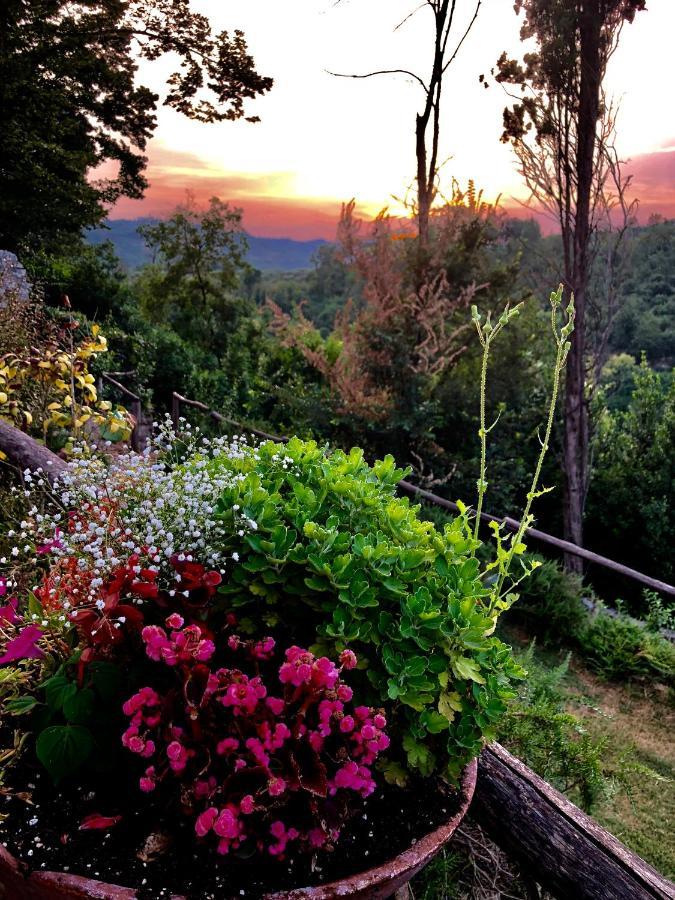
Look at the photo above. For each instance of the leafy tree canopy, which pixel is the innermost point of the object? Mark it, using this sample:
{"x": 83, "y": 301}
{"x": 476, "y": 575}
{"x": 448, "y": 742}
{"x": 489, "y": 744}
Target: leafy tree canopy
{"x": 70, "y": 102}
{"x": 199, "y": 257}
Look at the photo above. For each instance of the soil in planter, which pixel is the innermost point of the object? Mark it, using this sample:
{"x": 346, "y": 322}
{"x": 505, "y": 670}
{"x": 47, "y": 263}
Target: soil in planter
{"x": 160, "y": 857}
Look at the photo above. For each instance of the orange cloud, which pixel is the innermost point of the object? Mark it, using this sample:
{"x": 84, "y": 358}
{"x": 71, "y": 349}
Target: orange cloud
{"x": 654, "y": 182}
{"x": 270, "y": 209}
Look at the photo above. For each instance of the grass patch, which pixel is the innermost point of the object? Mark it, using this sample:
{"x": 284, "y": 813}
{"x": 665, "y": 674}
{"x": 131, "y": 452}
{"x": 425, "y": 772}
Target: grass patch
{"x": 644, "y": 723}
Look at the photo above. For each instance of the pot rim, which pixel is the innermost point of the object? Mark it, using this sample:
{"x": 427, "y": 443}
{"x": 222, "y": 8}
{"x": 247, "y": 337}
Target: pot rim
{"x": 391, "y": 874}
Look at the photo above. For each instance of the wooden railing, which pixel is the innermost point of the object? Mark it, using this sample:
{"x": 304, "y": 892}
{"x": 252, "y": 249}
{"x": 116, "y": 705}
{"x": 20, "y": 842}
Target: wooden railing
{"x": 549, "y": 539}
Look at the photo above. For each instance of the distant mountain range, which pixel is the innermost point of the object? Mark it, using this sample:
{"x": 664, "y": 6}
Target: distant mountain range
{"x": 283, "y": 254}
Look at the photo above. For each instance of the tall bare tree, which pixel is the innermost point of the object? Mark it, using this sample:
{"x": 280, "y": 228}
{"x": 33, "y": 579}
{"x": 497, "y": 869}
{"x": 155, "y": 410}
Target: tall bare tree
{"x": 561, "y": 128}
{"x": 427, "y": 121}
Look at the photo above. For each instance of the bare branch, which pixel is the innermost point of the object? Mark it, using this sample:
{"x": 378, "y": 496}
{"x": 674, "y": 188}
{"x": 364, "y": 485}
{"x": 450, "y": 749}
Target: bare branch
{"x": 410, "y": 15}
{"x": 464, "y": 37}
{"x": 380, "y": 72}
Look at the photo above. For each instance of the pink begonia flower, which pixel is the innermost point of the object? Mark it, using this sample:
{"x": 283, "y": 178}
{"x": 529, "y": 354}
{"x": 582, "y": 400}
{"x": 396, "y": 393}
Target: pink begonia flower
{"x": 276, "y": 787}
{"x": 8, "y": 613}
{"x": 301, "y": 667}
{"x": 348, "y": 659}
{"x": 24, "y": 646}
{"x": 148, "y": 782}
{"x": 205, "y": 821}
{"x": 247, "y": 804}
{"x": 283, "y": 836}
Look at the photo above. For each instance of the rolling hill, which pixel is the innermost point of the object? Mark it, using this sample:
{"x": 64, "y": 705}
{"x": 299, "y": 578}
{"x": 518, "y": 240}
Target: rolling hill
{"x": 267, "y": 254}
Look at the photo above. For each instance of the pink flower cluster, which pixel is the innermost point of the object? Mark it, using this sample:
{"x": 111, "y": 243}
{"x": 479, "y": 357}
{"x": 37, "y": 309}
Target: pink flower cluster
{"x": 243, "y": 761}
{"x": 302, "y": 668}
{"x": 182, "y": 645}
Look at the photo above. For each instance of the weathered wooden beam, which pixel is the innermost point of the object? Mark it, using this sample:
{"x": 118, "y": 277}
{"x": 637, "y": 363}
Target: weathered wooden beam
{"x": 556, "y": 843}
{"x": 24, "y": 452}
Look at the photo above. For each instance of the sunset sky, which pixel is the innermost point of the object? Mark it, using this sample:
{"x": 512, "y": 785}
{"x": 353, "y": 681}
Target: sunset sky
{"x": 323, "y": 139}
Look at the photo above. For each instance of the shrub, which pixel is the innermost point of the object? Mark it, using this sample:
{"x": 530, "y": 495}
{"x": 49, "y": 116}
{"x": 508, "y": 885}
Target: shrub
{"x": 542, "y": 732}
{"x": 46, "y": 386}
{"x": 337, "y": 554}
{"x": 618, "y": 647}
{"x": 551, "y": 602}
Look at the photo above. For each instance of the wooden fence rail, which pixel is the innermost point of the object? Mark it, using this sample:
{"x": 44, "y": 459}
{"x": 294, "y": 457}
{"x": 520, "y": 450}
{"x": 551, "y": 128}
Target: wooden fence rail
{"x": 549, "y": 539}
{"x": 567, "y": 852}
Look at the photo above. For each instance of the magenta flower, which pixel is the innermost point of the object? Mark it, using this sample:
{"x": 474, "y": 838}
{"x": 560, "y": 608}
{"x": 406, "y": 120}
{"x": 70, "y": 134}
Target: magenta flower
{"x": 55, "y": 543}
{"x": 8, "y": 613}
{"x": 24, "y": 646}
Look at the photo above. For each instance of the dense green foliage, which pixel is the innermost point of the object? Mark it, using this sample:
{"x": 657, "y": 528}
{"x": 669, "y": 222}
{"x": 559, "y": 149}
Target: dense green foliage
{"x": 630, "y": 503}
{"x": 646, "y": 317}
{"x": 540, "y": 729}
{"x": 551, "y": 604}
{"x": 337, "y": 553}
{"x": 619, "y": 648}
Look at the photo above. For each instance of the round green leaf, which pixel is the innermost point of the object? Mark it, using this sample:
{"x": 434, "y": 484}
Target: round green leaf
{"x": 62, "y": 749}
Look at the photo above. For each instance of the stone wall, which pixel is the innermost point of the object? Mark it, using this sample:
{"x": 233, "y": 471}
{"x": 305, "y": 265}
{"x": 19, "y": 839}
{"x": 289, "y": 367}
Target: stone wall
{"x": 13, "y": 278}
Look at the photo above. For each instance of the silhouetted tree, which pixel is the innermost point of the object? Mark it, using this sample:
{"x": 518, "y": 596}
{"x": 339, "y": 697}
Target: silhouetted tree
{"x": 561, "y": 128}
{"x": 427, "y": 121}
{"x": 70, "y": 102}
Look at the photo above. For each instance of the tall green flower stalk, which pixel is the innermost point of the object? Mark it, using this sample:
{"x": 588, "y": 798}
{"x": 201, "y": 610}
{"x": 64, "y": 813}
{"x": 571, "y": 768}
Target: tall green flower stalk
{"x": 512, "y": 546}
{"x": 486, "y": 334}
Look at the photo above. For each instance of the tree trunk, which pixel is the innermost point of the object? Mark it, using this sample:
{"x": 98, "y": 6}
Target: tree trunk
{"x": 26, "y": 453}
{"x": 576, "y": 436}
{"x": 423, "y": 198}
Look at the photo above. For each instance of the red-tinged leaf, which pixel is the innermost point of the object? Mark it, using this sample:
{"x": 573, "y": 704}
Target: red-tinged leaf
{"x": 24, "y": 646}
{"x": 133, "y": 616}
{"x": 148, "y": 574}
{"x": 311, "y": 771}
{"x": 95, "y": 821}
{"x": 212, "y": 579}
{"x": 196, "y": 684}
{"x": 144, "y": 590}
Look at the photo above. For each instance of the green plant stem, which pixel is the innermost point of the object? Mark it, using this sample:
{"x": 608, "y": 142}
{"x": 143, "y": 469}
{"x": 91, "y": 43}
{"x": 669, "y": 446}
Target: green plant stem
{"x": 532, "y": 493}
{"x": 482, "y": 486}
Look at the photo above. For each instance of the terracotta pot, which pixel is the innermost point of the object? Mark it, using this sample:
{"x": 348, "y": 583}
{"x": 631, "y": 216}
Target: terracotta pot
{"x": 374, "y": 884}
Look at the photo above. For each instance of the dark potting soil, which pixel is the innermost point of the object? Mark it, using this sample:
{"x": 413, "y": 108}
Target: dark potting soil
{"x": 159, "y": 856}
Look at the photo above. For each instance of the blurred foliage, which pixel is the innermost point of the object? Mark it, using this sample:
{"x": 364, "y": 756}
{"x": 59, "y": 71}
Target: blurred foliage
{"x": 646, "y": 318}
{"x": 630, "y": 509}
